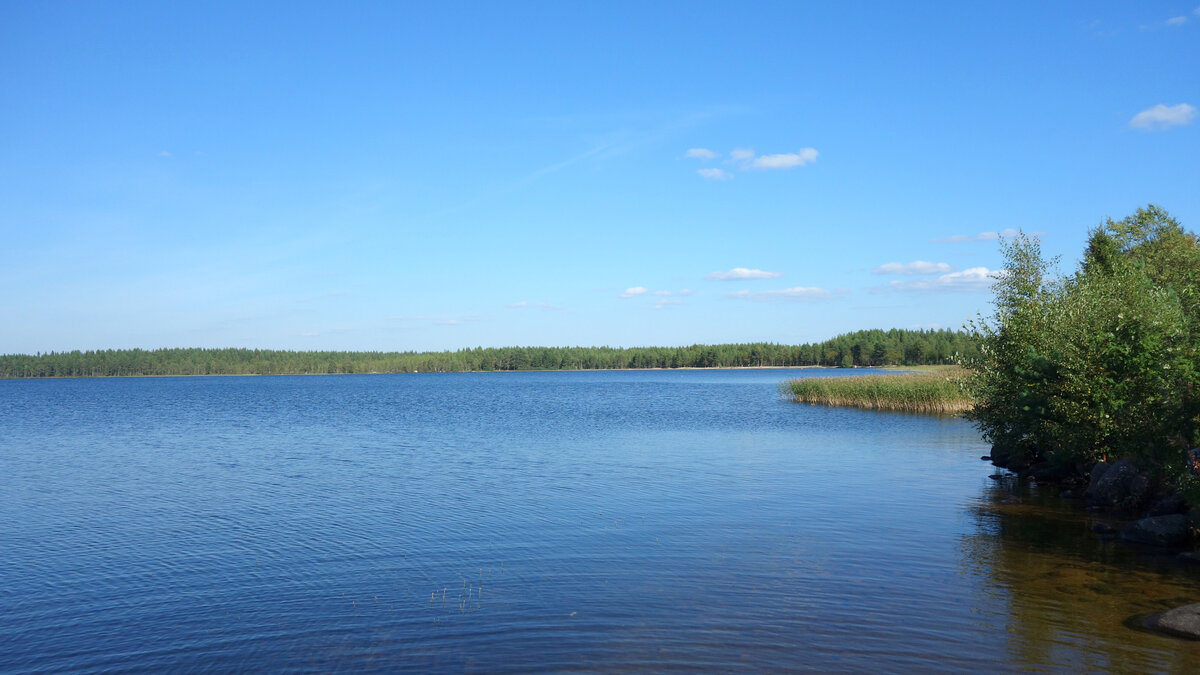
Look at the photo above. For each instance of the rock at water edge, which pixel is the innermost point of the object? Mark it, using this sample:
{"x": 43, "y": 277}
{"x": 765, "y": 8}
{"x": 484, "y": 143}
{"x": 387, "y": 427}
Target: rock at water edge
{"x": 1181, "y": 622}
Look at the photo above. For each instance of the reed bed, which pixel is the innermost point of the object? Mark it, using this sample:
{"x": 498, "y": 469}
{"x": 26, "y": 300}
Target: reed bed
{"x": 939, "y": 393}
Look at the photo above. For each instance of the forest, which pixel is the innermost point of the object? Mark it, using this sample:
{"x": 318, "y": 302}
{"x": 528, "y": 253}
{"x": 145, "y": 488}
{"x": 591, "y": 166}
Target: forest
{"x": 859, "y": 348}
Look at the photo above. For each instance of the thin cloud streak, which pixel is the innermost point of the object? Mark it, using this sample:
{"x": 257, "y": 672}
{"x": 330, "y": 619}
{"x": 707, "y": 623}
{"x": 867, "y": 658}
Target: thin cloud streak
{"x": 741, "y": 274}
{"x": 916, "y": 267}
{"x": 982, "y": 236}
{"x": 968, "y": 280}
{"x": 798, "y": 293}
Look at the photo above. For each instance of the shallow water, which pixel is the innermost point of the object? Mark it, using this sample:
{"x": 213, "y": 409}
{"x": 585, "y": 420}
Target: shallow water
{"x": 640, "y": 520}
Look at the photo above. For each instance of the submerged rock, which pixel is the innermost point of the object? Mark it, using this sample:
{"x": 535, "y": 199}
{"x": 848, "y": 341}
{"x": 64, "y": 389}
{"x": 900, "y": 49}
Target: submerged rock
{"x": 1181, "y": 622}
{"x": 1171, "y": 530}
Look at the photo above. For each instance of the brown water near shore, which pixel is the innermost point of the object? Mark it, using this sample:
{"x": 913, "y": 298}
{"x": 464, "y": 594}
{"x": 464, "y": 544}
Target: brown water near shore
{"x": 1075, "y": 598}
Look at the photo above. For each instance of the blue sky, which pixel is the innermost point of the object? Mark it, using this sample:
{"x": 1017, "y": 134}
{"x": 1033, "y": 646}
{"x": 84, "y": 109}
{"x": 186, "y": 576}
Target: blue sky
{"x": 391, "y": 176}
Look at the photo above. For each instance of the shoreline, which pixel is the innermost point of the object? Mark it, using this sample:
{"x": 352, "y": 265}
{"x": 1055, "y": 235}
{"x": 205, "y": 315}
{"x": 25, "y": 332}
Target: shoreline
{"x": 452, "y": 372}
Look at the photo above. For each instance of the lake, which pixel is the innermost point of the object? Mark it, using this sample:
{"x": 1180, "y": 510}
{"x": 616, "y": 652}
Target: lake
{"x": 627, "y": 520}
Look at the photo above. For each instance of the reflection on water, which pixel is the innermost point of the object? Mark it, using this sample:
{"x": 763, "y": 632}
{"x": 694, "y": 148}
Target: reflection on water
{"x": 1074, "y": 598}
{"x": 538, "y": 521}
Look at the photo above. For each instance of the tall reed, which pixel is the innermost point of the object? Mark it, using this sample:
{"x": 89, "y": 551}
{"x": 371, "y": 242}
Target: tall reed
{"x": 937, "y": 392}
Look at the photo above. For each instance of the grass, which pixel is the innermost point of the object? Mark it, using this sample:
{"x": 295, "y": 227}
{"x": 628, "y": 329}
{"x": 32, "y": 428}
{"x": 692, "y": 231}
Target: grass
{"x": 938, "y": 392}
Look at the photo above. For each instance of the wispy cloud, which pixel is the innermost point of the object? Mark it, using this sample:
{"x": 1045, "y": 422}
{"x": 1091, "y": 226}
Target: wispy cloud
{"x": 982, "y": 236}
{"x": 741, "y": 274}
{"x": 633, "y": 292}
{"x": 667, "y": 294}
{"x": 669, "y": 302}
{"x": 916, "y": 267}
{"x": 794, "y": 293}
{"x": 744, "y": 159}
{"x": 1162, "y": 117}
{"x": 785, "y": 160}
{"x": 972, "y": 279}
{"x": 714, "y": 174}
{"x": 164, "y": 153}
{"x": 1177, "y": 21}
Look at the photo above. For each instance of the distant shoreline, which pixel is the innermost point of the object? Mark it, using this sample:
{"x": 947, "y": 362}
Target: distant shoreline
{"x": 451, "y": 372}
{"x": 867, "y": 348}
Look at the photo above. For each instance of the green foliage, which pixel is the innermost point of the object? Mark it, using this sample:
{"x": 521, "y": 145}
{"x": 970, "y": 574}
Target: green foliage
{"x": 935, "y": 392}
{"x": 864, "y": 348}
{"x": 1101, "y": 364}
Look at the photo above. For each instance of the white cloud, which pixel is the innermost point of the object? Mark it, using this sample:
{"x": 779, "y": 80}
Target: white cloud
{"x": 914, "y": 267}
{"x": 517, "y": 305}
{"x": 741, "y": 274}
{"x": 714, "y": 174}
{"x": 1177, "y": 21}
{"x": 785, "y": 160}
{"x": 164, "y": 153}
{"x": 1162, "y": 117}
{"x": 743, "y": 159}
{"x": 667, "y": 294}
{"x": 633, "y": 292}
{"x": 663, "y": 304}
{"x": 972, "y": 279}
{"x": 982, "y": 236}
{"x": 794, "y": 293}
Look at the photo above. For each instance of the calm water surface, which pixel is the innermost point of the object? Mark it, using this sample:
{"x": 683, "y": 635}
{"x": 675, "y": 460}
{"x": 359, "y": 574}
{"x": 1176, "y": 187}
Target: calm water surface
{"x": 651, "y": 520}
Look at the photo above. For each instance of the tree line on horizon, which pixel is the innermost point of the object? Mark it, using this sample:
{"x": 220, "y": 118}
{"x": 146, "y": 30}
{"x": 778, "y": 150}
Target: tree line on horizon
{"x": 860, "y": 348}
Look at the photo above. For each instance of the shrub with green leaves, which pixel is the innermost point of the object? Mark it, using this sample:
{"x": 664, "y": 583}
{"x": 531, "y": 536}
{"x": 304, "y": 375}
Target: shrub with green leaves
{"x": 1100, "y": 364}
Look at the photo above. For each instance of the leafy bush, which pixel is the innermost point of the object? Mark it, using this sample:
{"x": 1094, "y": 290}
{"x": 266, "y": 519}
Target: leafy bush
{"x": 1100, "y": 364}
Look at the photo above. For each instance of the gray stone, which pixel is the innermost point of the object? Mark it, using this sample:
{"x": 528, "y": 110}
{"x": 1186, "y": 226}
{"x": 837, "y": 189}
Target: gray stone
{"x": 1169, "y": 530}
{"x": 1172, "y": 503}
{"x": 1119, "y": 486}
{"x": 1098, "y": 470}
{"x": 1181, "y": 622}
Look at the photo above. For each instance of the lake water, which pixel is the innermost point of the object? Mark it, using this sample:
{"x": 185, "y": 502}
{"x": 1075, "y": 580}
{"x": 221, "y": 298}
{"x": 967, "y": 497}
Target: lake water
{"x": 637, "y": 520}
